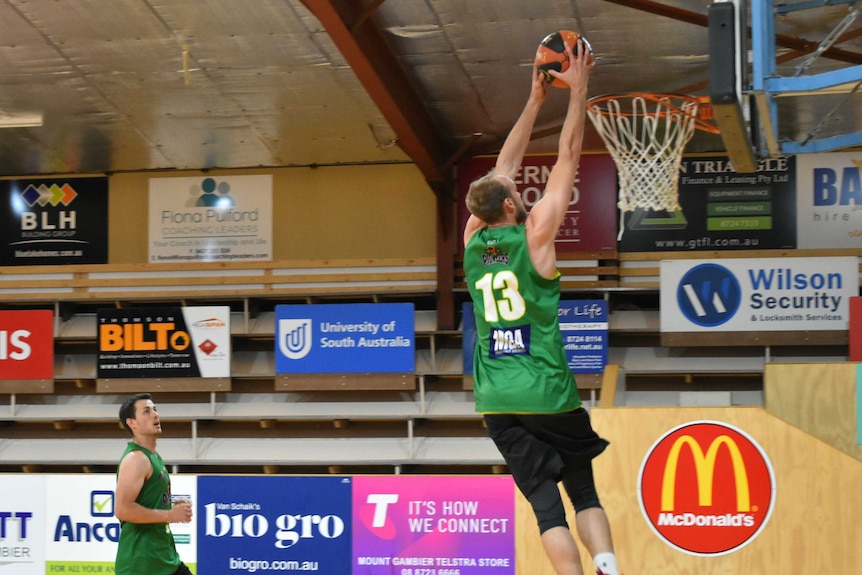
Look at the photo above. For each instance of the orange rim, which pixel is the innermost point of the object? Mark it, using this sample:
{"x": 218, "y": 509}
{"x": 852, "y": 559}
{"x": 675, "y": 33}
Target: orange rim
{"x": 673, "y": 104}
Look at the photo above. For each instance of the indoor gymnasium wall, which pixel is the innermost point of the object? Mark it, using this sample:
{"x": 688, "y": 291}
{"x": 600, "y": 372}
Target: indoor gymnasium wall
{"x": 331, "y": 212}
{"x": 819, "y": 398}
{"x": 814, "y": 527}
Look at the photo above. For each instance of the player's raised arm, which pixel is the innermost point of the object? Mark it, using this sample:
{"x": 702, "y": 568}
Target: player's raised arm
{"x": 512, "y": 153}
{"x": 547, "y": 215}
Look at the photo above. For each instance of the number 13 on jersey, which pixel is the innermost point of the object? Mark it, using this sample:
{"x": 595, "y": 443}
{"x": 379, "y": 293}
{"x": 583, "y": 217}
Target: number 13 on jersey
{"x": 510, "y": 306}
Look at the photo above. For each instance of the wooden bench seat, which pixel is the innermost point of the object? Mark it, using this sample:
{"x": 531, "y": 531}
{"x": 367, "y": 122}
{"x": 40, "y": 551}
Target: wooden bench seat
{"x": 286, "y": 406}
{"x": 152, "y": 282}
{"x": 261, "y": 451}
{"x": 598, "y": 269}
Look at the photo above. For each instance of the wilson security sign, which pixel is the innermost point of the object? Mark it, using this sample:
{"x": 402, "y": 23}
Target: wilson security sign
{"x": 781, "y": 294}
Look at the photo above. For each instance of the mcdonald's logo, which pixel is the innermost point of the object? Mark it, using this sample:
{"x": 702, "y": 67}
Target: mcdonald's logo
{"x": 704, "y": 469}
{"x": 706, "y": 488}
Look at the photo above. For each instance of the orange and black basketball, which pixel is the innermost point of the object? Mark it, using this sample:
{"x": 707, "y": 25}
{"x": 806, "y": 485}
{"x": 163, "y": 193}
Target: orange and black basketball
{"x": 551, "y": 54}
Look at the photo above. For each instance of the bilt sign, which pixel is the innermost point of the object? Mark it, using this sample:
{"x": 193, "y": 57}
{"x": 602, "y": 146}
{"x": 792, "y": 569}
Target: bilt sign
{"x": 164, "y": 342}
{"x": 706, "y": 488}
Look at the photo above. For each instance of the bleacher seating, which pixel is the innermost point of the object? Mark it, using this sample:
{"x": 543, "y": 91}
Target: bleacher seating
{"x": 253, "y": 422}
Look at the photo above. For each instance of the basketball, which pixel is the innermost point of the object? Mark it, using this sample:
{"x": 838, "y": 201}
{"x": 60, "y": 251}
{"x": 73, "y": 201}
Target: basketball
{"x": 551, "y": 55}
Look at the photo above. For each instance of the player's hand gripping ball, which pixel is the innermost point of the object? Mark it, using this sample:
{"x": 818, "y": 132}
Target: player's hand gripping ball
{"x": 551, "y": 55}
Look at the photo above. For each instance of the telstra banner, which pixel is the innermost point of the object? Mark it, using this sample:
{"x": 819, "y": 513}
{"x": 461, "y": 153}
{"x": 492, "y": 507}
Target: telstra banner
{"x": 780, "y": 294}
{"x": 436, "y": 525}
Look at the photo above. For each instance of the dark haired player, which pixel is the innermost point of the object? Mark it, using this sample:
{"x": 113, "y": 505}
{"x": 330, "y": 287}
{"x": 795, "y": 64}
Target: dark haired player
{"x": 143, "y": 498}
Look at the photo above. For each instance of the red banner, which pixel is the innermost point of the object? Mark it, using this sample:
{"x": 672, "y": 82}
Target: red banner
{"x": 855, "y": 337}
{"x": 26, "y": 344}
{"x": 591, "y": 220}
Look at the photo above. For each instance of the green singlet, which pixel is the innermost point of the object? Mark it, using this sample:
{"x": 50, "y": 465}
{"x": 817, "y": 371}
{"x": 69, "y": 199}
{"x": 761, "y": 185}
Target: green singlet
{"x": 148, "y": 547}
{"x": 520, "y": 363}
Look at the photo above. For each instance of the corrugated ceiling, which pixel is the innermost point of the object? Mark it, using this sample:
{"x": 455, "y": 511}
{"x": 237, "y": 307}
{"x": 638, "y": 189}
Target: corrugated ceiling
{"x": 182, "y": 84}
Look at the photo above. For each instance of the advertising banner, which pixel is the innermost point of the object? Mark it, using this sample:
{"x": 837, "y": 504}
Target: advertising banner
{"x": 410, "y": 525}
{"x": 829, "y": 200}
{"x": 164, "y": 342}
{"x": 590, "y": 223}
{"x": 758, "y": 294}
{"x": 22, "y": 524}
{"x": 468, "y": 336}
{"x": 684, "y": 493}
{"x": 265, "y": 524}
{"x": 26, "y": 344}
{"x": 854, "y": 340}
{"x": 82, "y": 532}
{"x": 720, "y": 210}
{"x": 54, "y": 221}
{"x": 209, "y": 219}
{"x": 345, "y": 338}
{"x": 584, "y": 325}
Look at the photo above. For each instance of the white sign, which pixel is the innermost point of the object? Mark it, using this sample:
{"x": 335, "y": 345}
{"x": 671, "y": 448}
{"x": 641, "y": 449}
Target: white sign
{"x": 829, "y": 200}
{"x": 780, "y": 294}
{"x": 82, "y": 531}
{"x": 209, "y": 328}
{"x": 22, "y": 524}
{"x": 210, "y": 219}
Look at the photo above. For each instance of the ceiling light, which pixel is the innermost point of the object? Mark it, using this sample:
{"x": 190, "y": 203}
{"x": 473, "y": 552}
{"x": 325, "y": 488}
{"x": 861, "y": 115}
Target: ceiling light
{"x": 415, "y": 31}
{"x": 23, "y": 120}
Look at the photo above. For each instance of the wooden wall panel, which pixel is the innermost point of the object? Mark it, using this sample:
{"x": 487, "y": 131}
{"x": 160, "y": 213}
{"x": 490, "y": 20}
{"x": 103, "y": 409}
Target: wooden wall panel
{"x": 819, "y": 398}
{"x": 335, "y": 212}
{"x": 814, "y": 528}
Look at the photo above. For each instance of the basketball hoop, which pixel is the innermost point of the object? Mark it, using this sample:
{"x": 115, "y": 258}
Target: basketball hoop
{"x": 645, "y": 135}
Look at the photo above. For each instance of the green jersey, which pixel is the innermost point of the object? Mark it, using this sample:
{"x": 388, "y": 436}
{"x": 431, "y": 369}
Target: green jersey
{"x": 520, "y": 363}
{"x": 148, "y": 547}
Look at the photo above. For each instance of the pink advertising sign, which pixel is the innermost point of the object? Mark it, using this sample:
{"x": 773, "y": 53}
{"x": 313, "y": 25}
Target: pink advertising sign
{"x": 590, "y": 223}
{"x": 433, "y": 525}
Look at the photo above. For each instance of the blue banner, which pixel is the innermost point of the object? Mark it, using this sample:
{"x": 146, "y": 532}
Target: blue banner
{"x": 251, "y": 524}
{"x": 345, "y": 338}
{"x": 468, "y": 336}
{"x": 584, "y": 325}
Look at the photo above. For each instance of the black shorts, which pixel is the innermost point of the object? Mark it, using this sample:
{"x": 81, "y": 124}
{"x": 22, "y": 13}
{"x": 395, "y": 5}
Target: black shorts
{"x": 539, "y": 447}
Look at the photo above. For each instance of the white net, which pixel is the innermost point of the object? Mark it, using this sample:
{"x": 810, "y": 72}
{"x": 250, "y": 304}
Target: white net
{"x": 645, "y": 134}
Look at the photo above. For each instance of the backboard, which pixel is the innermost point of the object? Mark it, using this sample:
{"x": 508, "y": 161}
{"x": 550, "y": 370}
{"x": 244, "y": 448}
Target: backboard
{"x": 729, "y": 81}
{"x": 776, "y": 97}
